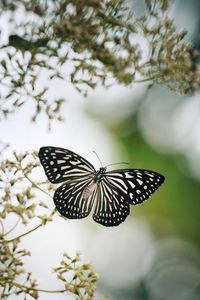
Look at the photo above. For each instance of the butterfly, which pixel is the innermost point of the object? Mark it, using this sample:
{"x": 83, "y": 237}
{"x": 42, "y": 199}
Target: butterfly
{"x": 108, "y": 193}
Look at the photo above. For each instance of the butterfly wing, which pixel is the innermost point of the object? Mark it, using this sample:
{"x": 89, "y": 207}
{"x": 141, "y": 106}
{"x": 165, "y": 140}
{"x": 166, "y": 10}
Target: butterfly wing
{"x": 112, "y": 205}
{"x": 113, "y": 194}
{"x": 136, "y": 184}
{"x": 74, "y": 199}
{"x": 64, "y": 165}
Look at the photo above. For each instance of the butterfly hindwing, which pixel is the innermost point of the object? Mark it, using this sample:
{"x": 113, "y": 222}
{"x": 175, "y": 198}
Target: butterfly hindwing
{"x": 62, "y": 165}
{"x": 112, "y": 205}
{"x": 136, "y": 184}
{"x": 72, "y": 200}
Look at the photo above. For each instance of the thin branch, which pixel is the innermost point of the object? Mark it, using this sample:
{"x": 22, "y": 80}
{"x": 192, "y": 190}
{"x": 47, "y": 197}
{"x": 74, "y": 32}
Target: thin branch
{"x": 12, "y": 228}
{"x": 2, "y": 226}
{"x": 26, "y": 288}
{"x": 34, "y": 184}
{"x": 25, "y": 233}
{"x": 31, "y": 230}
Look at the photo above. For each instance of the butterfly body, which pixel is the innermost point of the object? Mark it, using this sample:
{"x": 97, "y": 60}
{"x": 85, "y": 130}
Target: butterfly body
{"x": 110, "y": 193}
{"x": 99, "y": 174}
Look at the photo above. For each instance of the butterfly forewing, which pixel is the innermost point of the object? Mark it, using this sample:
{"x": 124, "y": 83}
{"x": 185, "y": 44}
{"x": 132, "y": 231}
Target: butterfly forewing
{"x": 112, "y": 205}
{"x": 73, "y": 200}
{"x": 62, "y": 165}
{"x": 136, "y": 184}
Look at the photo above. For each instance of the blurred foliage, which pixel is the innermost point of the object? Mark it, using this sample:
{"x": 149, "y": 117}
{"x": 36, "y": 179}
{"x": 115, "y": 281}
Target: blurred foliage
{"x": 174, "y": 209}
{"x": 90, "y": 42}
{"x": 19, "y": 198}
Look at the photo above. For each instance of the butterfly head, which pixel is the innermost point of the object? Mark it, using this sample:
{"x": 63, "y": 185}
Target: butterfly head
{"x": 102, "y": 170}
{"x": 99, "y": 174}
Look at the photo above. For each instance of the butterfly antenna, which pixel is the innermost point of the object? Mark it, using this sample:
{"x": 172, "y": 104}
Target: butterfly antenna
{"x": 98, "y": 158}
{"x": 120, "y": 163}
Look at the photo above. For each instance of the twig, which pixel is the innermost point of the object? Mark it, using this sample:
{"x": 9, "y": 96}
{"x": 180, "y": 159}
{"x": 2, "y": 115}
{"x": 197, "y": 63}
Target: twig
{"x": 25, "y": 288}
{"x": 31, "y": 230}
{"x": 12, "y": 228}
{"x": 2, "y": 226}
{"x": 34, "y": 184}
{"x": 25, "y": 233}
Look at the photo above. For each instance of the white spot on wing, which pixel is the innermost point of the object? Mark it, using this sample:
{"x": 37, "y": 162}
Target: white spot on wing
{"x": 131, "y": 184}
{"x": 131, "y": 195}
{"x": 74, "y": 162}
{"x": 127, "y": 175}
{"x": 139, "y": 181}
{"x": 64, "y": 167}
{"x": 61, "y": 161}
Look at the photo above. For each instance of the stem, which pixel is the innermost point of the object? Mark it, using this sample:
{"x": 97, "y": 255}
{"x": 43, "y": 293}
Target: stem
{"x": 34, "y": 184}
{"x": 12, "y": 228}
{"x": 2, "y": 226}
{"x": 25, "y": 233}
{"x": 31, "y": 230}
{"x": 26, "y": 288}
{"x": 3, "y": 293}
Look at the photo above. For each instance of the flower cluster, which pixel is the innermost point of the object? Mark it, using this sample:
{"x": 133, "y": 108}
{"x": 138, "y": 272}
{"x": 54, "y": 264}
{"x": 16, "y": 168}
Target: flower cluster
{"x": 90, "y": 42}
{"x": 171, "y": 61}
{"x": 18, "y": 190}
{"x": 78, "y": 278}
{"x": 11, "y": 268}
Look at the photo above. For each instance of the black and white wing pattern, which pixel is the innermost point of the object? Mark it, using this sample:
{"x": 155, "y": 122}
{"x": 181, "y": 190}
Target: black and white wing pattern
{"x": 111, "y": 207}
{"x": 74, "y": 200}
{"x": 62, "y": 165}
{"x": 110, "y": 192}
{"x": 136, "y": 184}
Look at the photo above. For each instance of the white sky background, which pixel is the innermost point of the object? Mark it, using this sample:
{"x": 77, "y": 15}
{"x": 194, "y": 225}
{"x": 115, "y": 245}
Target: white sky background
{"x": 108, "y": 249}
